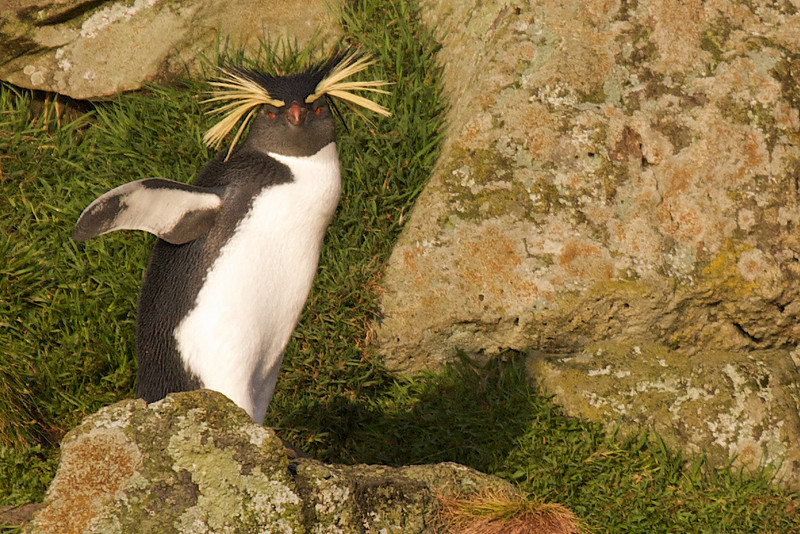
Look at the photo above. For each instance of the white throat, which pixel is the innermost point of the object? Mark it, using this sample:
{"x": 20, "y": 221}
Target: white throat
{"x": 300, "y": 165}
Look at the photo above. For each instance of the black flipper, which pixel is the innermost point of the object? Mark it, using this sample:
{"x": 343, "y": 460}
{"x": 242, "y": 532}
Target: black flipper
{"x": 174, "y": 211}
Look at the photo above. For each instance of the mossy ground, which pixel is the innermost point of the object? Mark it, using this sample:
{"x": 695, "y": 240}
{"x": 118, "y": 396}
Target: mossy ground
{"x": 67, "y": 313}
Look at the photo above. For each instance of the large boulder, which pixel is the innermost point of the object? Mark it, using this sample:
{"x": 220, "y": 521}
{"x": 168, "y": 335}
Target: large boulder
{"x": 89, "y": 49}
{"x": 614, "y": 172}
{"x": 195, "y": 462}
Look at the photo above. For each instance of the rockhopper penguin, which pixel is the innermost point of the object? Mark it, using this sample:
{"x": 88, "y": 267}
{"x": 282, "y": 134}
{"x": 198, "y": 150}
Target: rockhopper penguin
{"x": 237, "y": 250}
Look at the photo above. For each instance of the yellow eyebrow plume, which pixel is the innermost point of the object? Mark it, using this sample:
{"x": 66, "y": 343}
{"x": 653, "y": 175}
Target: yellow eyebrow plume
{"x": 334, "y": 84}
{"x": 242, "y": 97}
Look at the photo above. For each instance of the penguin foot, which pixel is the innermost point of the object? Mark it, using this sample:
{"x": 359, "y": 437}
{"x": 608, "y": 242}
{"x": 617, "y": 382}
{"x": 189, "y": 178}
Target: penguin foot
{"x": 293, "y": 453}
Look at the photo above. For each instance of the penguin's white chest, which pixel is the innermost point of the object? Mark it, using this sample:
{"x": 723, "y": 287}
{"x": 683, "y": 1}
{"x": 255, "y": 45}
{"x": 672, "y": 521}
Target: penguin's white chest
{"x": 233, "y": 339}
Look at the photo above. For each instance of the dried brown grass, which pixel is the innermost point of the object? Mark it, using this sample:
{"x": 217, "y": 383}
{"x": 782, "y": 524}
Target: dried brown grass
{"x": 496, "y": 512}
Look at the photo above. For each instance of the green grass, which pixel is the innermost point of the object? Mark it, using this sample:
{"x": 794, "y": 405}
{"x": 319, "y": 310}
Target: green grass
{"x": 67, "y": 313}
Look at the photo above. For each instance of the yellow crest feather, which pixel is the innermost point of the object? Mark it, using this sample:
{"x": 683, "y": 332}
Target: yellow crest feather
{"x": 334, "y": 85}
{"x": 243, "y": 96}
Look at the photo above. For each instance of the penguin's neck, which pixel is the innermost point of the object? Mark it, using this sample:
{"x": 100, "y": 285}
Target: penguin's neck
{"x": 306, "y": 167}
{"x": 316, "y": 186}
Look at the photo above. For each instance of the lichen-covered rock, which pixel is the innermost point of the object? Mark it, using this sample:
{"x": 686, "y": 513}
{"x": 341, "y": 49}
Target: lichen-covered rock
{"x": 195, "y": 462}
{"x": 612, "y": 170}
{"x": 620, "y": 172}
{"x": 345, "y": 499}
{"x": 721, "y": 405}
{"x": 90, "y": 49}
{"x": 190, "y": 463}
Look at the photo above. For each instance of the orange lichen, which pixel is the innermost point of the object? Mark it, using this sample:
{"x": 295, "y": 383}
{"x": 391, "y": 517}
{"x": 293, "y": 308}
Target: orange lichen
{"x": 99, "y": 466}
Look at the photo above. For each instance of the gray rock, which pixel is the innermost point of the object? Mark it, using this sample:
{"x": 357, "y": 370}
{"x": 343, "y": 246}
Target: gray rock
{"x": 89, "y": 49}
{"x": 190, "y": 463}
{"x": 195, "y": 462}
{"x": 383, "y": 499}
{"x": 722, "y": 405}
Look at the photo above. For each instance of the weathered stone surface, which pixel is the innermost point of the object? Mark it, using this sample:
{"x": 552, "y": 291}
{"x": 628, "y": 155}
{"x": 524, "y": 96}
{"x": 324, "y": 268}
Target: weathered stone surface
{"x": 11, "y": 516}
{"x": 191, "y": 463}
{"x": 613, "y": 170}
{"x": 722, "y": 404}
{"x": 90, "y": 49}
{"x": 195, "y": 462}
{"x": 620, "y": 172}
{"x": 383, "y": 499}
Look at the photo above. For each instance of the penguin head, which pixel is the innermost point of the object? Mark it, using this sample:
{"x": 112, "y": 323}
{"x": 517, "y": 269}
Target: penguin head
{"x": 294, "y": 129}
{"x": 292, "y": 123}
{"x": 291, "y": 114}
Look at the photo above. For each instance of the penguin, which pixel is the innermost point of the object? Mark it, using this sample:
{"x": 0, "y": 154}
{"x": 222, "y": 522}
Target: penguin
{"x": 237, "y": 250}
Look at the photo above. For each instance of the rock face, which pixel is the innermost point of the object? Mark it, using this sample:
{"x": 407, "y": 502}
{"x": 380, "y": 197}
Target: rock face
{"x": 195, "y": 462}
{"x": 90, "y": 49}
{"x": 622, "y": 170}
{"x": 722, "y": 405}
{"x": 617, "y": 172}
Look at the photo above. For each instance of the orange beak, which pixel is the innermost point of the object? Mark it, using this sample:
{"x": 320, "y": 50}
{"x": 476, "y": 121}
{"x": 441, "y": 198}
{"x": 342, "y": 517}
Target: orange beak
{"x": 295, "y": 114}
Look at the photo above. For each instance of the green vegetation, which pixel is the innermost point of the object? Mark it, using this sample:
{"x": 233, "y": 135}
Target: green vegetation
{"x": 67, "y": 313}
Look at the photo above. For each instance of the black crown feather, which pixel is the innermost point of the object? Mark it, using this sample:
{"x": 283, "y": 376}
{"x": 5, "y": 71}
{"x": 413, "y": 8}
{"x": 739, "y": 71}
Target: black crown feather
{"x": 242, "y": 91}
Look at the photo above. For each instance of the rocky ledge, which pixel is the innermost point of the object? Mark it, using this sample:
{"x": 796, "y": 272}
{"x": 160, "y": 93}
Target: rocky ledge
{"x": 195, "y": 462}
{"x": 96, "y": 49}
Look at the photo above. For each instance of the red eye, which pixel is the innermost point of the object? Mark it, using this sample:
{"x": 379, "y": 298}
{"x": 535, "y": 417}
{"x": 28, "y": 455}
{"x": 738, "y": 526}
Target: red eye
{"x": 271, "y": 114}
{"x": 318, "y": 110}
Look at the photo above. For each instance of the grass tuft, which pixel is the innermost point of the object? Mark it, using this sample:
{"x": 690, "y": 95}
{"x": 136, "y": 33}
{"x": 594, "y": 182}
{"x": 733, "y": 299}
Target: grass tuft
{"x": 502, "y": 513}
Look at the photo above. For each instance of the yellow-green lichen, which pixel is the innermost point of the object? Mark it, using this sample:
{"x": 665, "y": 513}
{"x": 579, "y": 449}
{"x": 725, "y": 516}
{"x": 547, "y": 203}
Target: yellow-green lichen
{"x": 596, "y": 96}
{"x": 482, "y": 186}
{"x": 721, "y": 273}
{"x": 714, "y": 38}
{"x": 787, "y": 72}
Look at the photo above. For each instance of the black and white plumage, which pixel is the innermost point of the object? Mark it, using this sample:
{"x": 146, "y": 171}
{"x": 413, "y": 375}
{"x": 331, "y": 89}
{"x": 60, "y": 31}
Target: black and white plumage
{"x": 238, "y": 249}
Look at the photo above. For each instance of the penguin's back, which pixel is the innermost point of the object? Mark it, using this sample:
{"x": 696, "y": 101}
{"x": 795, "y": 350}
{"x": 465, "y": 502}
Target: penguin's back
{"x": 173, "y": 278}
